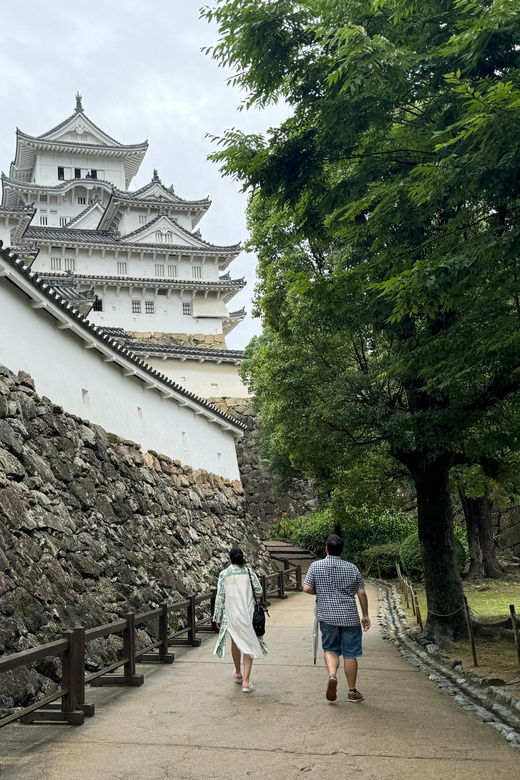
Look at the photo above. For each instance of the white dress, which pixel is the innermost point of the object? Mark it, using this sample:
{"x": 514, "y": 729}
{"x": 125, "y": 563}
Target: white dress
{"x": 234, "y": 607}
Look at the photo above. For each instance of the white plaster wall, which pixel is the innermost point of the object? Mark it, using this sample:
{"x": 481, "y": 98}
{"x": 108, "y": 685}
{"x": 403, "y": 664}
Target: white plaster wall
{"x": 168, "y": 316}
{"x": 208, "y": 379}
{"x": 46, "y": 167}
{"x": 63, "y": 370}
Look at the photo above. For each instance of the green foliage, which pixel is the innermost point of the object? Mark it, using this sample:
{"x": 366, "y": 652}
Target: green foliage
{"x": 385, "y": 214}
{"x": 311, "y": 531}
{"x": 381, "y": 561}
{"x": 369, "y": 527}
{"x": 412, "y": 559}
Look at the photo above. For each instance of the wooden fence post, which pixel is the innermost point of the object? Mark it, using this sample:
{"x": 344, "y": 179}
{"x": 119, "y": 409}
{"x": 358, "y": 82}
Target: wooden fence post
{"x": 263, "y": 581}
{"x": 192, "y": 623}
{"x": 164, "y": 656}
{"x": 73, "y": 677}
{"x": 281, "y": 585}
{"x": 299, "y": 585}
{"x": 514, "y": 621}
{"x": 212, "y": 610}
{"x": 418, "y": 613}
{"x": 470, "y": 632}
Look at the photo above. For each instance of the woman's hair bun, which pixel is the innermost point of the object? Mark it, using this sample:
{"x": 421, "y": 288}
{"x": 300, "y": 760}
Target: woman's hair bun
{"x": 237, "y": 556}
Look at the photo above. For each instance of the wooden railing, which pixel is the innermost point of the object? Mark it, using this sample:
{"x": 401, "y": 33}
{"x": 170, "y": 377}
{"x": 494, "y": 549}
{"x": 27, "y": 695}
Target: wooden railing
{"x": 71, "y": 649}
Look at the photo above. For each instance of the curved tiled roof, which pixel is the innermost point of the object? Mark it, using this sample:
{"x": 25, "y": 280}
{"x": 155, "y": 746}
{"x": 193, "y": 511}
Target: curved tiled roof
{"x": 153, "y": 280}
{"x": 49, "y": 143}
{"x": 46, "y": 289}
{"x": 112, "y": 238}
{"x": 158, "y": 349}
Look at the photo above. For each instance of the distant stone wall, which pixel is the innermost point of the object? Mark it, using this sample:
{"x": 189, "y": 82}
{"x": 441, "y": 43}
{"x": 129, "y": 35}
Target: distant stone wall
{"x": 264, "y": 502}
{"x": 210, "y": 340}
{"x": 91, "y": 528}
{"x": 507, "y": 528}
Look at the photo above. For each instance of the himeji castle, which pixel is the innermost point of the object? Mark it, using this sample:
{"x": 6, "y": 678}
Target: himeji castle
{"x": 132, "y": 261}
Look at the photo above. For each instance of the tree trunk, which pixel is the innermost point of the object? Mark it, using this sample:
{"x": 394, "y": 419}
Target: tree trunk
{"x": 442, "y": 578}
{"x": 476, "y": 564}
{"x": 479, "y": 526}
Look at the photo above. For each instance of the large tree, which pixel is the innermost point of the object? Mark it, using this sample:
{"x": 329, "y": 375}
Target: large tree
{"x": 384, "y": 215}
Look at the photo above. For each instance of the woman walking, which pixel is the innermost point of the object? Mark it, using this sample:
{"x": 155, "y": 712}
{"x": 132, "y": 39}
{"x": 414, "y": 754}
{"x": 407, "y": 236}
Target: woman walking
{"x": 237, "y": 590}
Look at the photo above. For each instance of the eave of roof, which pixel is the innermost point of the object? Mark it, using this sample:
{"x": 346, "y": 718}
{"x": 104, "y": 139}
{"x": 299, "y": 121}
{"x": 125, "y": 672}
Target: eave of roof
{"x": 62, "y": 310}
{"x": 127, "y": 281}
{"x": 107, "y": 239}
{"x": 196, "y": 353}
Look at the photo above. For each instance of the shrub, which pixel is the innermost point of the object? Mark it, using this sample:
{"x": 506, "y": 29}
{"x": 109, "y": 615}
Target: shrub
{"x": 411, "y": 557}
{"x": 282, "y": 527}
{"x": 372, "y": 527}
{"x": 380, "y": 561}
{"x": 311, "y": 531}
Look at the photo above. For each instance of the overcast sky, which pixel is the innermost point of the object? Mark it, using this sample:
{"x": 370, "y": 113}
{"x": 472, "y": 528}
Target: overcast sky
{"x": 141, "y": 73}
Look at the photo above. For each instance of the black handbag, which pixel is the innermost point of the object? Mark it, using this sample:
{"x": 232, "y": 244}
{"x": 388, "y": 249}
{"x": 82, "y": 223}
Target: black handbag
{"x": 259, "y": 612}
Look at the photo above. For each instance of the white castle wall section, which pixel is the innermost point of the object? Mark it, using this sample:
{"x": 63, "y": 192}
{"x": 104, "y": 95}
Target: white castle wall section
{"x": 84, "y": 384}
{"x": 208, "y": 379}
{"x": 47, "y": 163}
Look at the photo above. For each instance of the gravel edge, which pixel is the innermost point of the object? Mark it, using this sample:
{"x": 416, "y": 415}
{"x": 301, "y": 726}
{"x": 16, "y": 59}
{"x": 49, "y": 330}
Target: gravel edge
{"x": 495, "y": 706}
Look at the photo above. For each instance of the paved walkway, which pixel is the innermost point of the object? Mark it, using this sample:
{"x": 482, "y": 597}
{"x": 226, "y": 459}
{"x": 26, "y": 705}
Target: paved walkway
{"x": 191, "y": 722}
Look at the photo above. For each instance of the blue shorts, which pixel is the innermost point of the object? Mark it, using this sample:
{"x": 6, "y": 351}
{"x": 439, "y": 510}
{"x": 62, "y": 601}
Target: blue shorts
{"x": 341, "y": 640}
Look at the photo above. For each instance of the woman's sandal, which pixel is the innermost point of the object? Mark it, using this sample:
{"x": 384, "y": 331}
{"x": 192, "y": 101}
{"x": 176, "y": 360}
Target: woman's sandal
{"x": 331, "y": 688}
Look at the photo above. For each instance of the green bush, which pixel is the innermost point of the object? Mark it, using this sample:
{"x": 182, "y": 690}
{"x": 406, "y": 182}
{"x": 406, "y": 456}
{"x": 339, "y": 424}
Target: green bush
{"x": 411, "y": 557}
{"x": 371, "y": 527}
{"x": 311, "y": 531}
{"x": 380, "y": 561}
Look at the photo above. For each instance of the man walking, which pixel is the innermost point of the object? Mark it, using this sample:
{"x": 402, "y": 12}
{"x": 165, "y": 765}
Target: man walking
{"x": 336, "y": 583}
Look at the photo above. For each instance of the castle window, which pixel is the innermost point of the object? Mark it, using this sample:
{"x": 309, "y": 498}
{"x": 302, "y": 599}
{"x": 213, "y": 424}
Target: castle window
{"x": 98, "y": 304}
{"x": 82, "y": 201}
{"x": 55, "y": 263}
{"x": 196, "y": 271}
{"x": 148, "y": 307}
{"x": 158, "y": 236}
{"x": 43, "y": 220}
{"x": 43, "y": 198}
{"x": 162, "y": 292}
{"x": 93, "y": 174}
{"x": 121, "y": 268}
{"x": 142, "y": 219}
{"x": 159, "y": 270}
{"x": 214, "y": 385}
{"x": 61, "y": 174}
{"x": 63, "y": 221}
{"x": 69, "y": 264}
{"x": 136, "y": 307}
{"x": 77, "y": 173}
{"x": 186, "y": 308}
{"x": 85, "y": 396}
{"x": 172, "y": 271}
{"x": 169, "y": 238}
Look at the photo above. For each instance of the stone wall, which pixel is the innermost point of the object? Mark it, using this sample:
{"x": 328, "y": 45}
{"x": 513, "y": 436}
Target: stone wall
{"x": 507, "y": 529}
{"x": 264, "y": 501}
{"x": 210, "y": 340}
{"x": 91, "y": 527}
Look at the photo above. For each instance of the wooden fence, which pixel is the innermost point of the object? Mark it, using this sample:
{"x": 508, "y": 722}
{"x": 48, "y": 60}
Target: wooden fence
{"x": 411, "y": 599}
{"x": 73, "y": 708}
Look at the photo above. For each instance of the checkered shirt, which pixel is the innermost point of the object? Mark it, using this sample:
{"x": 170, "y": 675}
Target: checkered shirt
{"x": 336, "y": 583}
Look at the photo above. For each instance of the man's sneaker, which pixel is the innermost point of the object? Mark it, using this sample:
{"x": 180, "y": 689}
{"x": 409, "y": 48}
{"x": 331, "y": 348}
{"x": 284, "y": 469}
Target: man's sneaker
{"x": 332, "y": 684}
{"x": 247, "y": 688}
{"x": 238, "y": 678}
{"x": 355, "y": 696}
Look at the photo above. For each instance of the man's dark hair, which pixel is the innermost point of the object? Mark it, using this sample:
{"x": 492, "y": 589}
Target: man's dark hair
{"x": 237, "y": 556}
{"x": 335, "y": 544}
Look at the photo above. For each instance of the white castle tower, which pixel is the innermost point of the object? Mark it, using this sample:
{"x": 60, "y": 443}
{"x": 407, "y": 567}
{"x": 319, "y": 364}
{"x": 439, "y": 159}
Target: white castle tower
{"x": 132, "y": 261}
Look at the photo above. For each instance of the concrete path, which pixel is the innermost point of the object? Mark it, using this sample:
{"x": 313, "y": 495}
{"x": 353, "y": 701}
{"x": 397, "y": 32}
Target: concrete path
{"x": 191, "y": 722}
